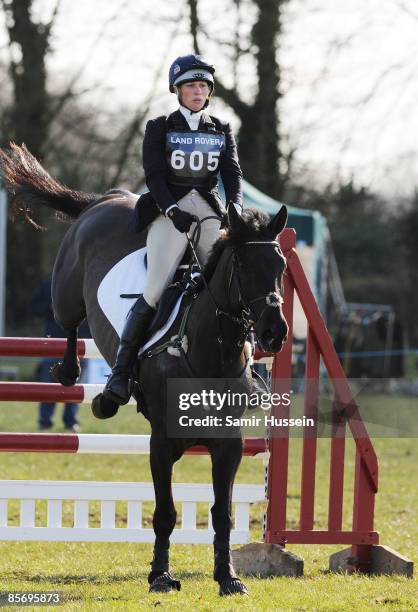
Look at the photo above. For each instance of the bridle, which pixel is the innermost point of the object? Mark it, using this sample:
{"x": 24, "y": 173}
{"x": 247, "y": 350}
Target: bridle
{"x": 247, "y": 318}
{"x": 271, "y": 299}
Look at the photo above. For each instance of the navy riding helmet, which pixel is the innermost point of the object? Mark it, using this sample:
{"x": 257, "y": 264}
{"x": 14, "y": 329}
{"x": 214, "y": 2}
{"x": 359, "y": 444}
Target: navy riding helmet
{"x": 187, "y": 68}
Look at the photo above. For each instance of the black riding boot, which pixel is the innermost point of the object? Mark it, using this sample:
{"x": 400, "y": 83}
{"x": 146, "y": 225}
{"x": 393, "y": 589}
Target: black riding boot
{"x": 118, "y": 387}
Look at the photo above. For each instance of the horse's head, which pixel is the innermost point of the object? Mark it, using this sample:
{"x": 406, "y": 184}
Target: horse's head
{"x": 253, "y": 269}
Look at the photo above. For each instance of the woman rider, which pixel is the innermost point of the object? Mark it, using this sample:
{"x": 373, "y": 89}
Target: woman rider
{"x": 183, "y": 153}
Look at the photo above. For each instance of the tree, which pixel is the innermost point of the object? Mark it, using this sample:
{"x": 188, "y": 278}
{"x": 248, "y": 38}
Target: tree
{"x": 66, "y": 135}
{"x": 31, "y": 104}
{"x": 27, "y": 121}
{"x": 407, "y": 284}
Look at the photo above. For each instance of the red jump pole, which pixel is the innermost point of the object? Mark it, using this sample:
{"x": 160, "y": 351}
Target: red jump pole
{"x": 69, "y": 443}
{"x": 40, "y": 392}
{"x": 281, "y": 375}
{"x": 344, "y": 409}
{"x": 37, "y": 347}
{"x": 307, "y": 489}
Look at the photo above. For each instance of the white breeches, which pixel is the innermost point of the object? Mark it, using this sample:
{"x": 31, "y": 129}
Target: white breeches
{"x": 166, "y": 245}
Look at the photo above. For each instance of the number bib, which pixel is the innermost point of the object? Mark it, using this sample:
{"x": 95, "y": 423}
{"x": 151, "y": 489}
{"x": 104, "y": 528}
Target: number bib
{"x": 193, "y": 157}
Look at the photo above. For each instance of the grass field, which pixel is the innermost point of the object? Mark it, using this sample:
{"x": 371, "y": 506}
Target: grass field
{"x": 114, "y": 576}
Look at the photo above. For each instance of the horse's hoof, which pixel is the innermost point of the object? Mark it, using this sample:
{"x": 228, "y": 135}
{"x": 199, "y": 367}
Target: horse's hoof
{"x": 232, "y": 586}
{"x": 103, "y": 408}
{"x": 64, "y": 378}
{"x": 164, "y": 584}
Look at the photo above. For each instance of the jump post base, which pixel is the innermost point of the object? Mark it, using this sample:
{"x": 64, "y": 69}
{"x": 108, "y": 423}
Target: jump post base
{"x": 266, "y": 560}
{"x": 382, "y": 560}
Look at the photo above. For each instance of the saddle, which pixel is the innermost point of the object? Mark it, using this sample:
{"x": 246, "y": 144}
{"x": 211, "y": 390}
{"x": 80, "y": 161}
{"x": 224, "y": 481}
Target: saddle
{"x": 126, "y": 281}
{"x": 182, "y": 282}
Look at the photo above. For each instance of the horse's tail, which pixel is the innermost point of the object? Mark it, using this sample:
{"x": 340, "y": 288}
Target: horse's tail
{"x": 29, "y": 185}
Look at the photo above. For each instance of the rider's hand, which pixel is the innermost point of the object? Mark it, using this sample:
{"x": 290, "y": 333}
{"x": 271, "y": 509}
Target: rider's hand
{"x": 181, "y": 219}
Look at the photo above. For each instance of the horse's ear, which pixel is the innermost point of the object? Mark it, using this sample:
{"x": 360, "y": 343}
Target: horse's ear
{"x": 278, "y": 222}
{"x": 234, "y": 218}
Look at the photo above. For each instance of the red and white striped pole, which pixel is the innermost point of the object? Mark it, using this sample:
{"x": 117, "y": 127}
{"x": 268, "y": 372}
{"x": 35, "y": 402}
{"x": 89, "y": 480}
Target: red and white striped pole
{"x": 99, "y": 444}
{"x": 45, "y": 347}
{"x": 49, "y": 392}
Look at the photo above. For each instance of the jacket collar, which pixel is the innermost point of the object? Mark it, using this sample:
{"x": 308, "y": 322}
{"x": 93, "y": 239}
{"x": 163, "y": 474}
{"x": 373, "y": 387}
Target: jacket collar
{"x": 194, "y": 118}
{"x": 205, "y": 122}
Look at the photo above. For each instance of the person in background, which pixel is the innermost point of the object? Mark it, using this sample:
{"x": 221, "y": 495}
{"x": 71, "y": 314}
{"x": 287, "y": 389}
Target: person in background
{"x": 41, "y": 306}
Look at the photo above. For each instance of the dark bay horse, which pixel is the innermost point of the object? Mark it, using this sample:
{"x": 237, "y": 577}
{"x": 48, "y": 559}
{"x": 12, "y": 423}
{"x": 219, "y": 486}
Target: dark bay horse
{"x": 244, "y": 274}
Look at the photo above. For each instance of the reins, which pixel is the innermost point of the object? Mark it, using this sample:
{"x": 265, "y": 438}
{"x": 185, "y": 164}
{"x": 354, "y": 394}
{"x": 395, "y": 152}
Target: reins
{"x": 245, "y": 321}
{"x": 247, "y": 318}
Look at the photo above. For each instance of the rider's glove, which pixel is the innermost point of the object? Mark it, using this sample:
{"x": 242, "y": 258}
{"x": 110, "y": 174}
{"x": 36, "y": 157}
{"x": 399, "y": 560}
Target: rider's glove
{"x": 181, "y": 219}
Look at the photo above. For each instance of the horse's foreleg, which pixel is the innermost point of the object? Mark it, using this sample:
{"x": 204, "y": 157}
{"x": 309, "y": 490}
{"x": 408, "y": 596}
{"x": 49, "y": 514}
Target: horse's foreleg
{"x": 67, "y": 371}
{"x": 226, "y": 457}
{"x": 164, "y": 519}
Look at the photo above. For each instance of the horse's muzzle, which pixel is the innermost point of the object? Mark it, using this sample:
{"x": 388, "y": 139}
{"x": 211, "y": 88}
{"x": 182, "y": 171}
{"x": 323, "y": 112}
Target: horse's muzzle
{"x": 271, "y": 338}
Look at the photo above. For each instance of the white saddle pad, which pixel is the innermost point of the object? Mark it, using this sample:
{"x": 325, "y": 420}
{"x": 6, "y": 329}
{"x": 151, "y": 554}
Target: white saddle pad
{"x": 128, "y": 276}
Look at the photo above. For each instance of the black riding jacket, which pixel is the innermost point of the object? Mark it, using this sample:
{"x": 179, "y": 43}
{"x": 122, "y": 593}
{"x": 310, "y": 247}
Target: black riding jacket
{"x": 167, "y": 185}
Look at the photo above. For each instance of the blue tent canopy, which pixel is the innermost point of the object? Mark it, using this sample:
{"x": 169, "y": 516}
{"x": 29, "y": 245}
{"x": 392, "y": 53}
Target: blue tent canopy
{"x": 309, "y": 225}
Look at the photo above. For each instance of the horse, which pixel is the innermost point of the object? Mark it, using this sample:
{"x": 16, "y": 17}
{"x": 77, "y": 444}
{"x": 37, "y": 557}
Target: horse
{"x": 242, "y": 290}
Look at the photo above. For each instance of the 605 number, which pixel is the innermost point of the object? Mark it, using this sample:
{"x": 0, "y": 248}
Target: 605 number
{"x": 196, "y": 160}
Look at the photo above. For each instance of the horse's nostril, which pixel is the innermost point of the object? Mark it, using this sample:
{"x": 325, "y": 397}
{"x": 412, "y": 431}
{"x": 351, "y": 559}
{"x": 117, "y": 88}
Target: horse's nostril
{"x": 267, "y": 337}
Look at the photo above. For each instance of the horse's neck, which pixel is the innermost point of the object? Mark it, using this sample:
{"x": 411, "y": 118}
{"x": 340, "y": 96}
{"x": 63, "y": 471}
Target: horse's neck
{"x": 206, "y": 328}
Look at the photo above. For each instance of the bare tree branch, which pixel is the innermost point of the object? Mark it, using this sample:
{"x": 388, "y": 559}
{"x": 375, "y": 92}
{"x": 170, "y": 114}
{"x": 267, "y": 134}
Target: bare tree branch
{"x": 230, "y": 96}
{"x": 225, "y": 42}
{"x": 68, "y": 93}
{"x": 236, "y": 44}
{"x": 131, "y": 131}
{"x": 194, "y": 24}
{"x": 406, "y": 9}
{"x": 51, "y": 22}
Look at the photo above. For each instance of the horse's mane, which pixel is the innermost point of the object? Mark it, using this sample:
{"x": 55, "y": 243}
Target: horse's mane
{"x": 255, "y": 227}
